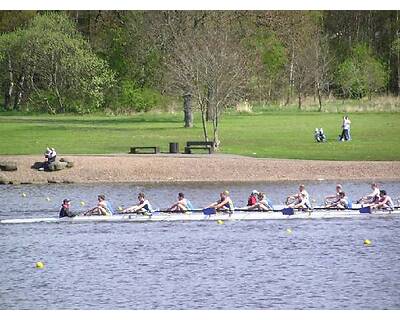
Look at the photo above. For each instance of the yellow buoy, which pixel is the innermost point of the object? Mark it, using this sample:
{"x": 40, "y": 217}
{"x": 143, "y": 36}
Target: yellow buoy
{"x": 82, "y": 203}
{"x": 288, "y": 230}
{"x": 367, "y": 242}
{"x": 220, "y": 222}
{"x": 39, "y": 265}
{"x": 23, "y": 194}
{"x": 120, "y": 208}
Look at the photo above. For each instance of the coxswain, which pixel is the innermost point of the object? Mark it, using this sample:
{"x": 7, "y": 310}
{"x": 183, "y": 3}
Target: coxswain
{"x": 66, "y": 209}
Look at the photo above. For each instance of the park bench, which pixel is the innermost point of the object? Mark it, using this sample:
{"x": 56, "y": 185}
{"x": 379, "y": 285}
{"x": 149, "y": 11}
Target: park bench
{"x": 199, "y": 145}
{"x": 140, "y": 149}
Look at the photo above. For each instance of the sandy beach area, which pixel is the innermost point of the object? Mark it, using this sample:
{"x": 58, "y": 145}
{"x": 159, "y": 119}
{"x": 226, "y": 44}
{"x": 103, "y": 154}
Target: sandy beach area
{"x": 197, "y": 168}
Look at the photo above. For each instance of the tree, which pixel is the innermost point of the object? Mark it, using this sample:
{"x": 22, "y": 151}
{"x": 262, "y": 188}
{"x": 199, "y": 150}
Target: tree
{"x": 52, "y": 65}
{"x": 209, "y": 63}
{"x": 361, "y": 74}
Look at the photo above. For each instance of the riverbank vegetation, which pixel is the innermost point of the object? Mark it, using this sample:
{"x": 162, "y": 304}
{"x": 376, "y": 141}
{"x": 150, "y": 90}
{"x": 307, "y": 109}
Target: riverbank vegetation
{"x": 209, "y": 62}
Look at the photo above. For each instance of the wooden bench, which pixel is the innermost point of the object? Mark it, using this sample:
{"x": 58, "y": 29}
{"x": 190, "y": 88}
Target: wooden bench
{"x": 153, "y": 149}
{"x": 199, "y": 145}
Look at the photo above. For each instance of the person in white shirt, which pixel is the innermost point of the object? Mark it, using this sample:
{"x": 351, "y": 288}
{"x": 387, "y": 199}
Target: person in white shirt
{"x": 345, "y": 136}
{"x": 143, "y": 207}
{"x": 373, "y": 197}
{"x": 301, "y": 199}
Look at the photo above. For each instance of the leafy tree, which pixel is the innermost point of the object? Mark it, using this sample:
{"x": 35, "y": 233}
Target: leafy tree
{"x": 361, "y": 74}
{"x": 54, "y": 65}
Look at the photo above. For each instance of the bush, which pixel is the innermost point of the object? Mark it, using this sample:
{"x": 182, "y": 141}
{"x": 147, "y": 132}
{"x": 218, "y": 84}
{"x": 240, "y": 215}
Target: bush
{"x": 138, "y": 99}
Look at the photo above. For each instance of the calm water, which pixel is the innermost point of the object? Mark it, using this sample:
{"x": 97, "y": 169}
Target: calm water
{"x": 323, "y": 264}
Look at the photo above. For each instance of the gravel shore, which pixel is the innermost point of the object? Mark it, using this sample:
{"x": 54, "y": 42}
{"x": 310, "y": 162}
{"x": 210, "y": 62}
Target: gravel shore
{"x": 197, "y": 168}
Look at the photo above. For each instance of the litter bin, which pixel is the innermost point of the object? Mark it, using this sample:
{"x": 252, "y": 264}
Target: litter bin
{"x": 173, "y": 147}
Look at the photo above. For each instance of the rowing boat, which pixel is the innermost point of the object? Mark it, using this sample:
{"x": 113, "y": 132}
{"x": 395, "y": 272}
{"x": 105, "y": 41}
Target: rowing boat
{"x": 199, "y": 216}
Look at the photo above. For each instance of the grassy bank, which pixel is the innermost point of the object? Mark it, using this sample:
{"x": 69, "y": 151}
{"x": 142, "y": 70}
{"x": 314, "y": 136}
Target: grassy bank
{"x": 376, "y": 136}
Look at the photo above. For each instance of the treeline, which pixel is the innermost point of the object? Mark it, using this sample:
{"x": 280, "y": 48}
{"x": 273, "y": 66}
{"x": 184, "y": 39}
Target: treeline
{"x": 83, "y": 61}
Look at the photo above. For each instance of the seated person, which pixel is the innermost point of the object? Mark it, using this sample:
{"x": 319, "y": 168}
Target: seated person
{"x": 143, "y": 206}
{"x": 252, "y": 200}
{"x": 371, "y": 198}
{"x": 49, "y": 157}
{"x": 263, "y": 204}
{"x": 385, "y": 202}
{"x": 340, "y": 203}
{"x": 332, "y": 198}
{"x": 224, "y": 203}
{"x": 182, "y": 205}
{"x": 66, "y": 209}
{"x": 319, "y": 135}
{"x": 103, "y": 208}
{"x": 301, "y": 199}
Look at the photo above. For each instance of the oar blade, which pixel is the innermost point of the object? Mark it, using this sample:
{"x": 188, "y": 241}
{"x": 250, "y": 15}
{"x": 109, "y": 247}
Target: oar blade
{"x": 287, "y": 211}
{"x": 209, "y": 211}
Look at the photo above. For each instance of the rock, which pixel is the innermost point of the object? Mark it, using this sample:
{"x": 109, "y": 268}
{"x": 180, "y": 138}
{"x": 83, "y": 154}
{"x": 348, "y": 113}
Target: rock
{"x": 70, "y": 164}
{"x": 52, "y": 181}
{"x": 65, "y": 159}
{"x": 4, "y": 179}
{"x": 67, "y": 181}
{"x": 60, "y": 165}
{"x": 8, "y": 166}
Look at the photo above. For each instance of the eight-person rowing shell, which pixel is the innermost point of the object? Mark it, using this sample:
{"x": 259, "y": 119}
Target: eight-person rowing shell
{"x": 143, "y": 207}
{"x": 301, "y": 199}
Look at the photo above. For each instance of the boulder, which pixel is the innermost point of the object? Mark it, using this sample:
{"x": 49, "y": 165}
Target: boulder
{"x": 57, "y": 166}
{"x": 70, "y": 164}
{"x": 4, "y": 179}
{"x": 8, "y": 166}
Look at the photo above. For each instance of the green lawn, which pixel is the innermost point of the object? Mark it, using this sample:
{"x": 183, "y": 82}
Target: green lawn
{"x": 376, "y": 136}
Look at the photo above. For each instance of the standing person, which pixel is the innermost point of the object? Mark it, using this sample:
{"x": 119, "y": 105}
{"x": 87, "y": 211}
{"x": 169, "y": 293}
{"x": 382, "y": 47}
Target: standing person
{"x": 373, "y": 197}
{"x": 384, "y": 202}
{"x": 182, "y": 205}
{"x": 143, "y": 207}
{"x": 345, "y": 129}
{"x": 224, "y": 203}
{"x": 301, "y": 199}
{"x": 66, "y": 209}
{"x": 103, "y": 207}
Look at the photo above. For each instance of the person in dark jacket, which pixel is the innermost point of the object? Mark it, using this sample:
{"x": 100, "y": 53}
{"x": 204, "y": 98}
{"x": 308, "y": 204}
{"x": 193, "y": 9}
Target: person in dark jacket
{"x": 66, "y": 209}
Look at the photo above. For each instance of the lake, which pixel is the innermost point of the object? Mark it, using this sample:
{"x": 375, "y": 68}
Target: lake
{"x": 322, "y": 264}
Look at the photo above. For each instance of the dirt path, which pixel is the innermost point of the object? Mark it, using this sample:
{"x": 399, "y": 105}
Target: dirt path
{"x": 184, "y": 168}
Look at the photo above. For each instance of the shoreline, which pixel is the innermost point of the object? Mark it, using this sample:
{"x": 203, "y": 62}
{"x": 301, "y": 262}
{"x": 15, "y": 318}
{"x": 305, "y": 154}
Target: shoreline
{"x": 179, "y": 168}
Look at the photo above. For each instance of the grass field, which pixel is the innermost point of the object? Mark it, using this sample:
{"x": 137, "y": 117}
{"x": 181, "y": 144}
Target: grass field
{"x": 376, "y": 136}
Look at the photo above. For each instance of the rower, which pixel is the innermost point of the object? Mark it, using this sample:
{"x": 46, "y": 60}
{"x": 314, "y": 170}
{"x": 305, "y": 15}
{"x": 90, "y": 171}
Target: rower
{"x": 385, "y": 202}
{"x": 143, "y": 207}
{"x": 301, "y": 199}
{"x": 252, "y": 200}
{"x": 373, "y": 197}
{"x": 66, "y": 209}
{"x": 182, "y": 205}
{"x": 103, "y": 207}
{"x": 263, "y": 203}
{"x": 340, "y": 203}
{"x": 333, "y": 198}
{"x": 224, "y": 203}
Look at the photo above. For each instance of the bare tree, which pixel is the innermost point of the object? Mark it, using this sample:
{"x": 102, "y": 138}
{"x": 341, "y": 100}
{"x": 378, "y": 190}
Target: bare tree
{"x": 209, "y": 63}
